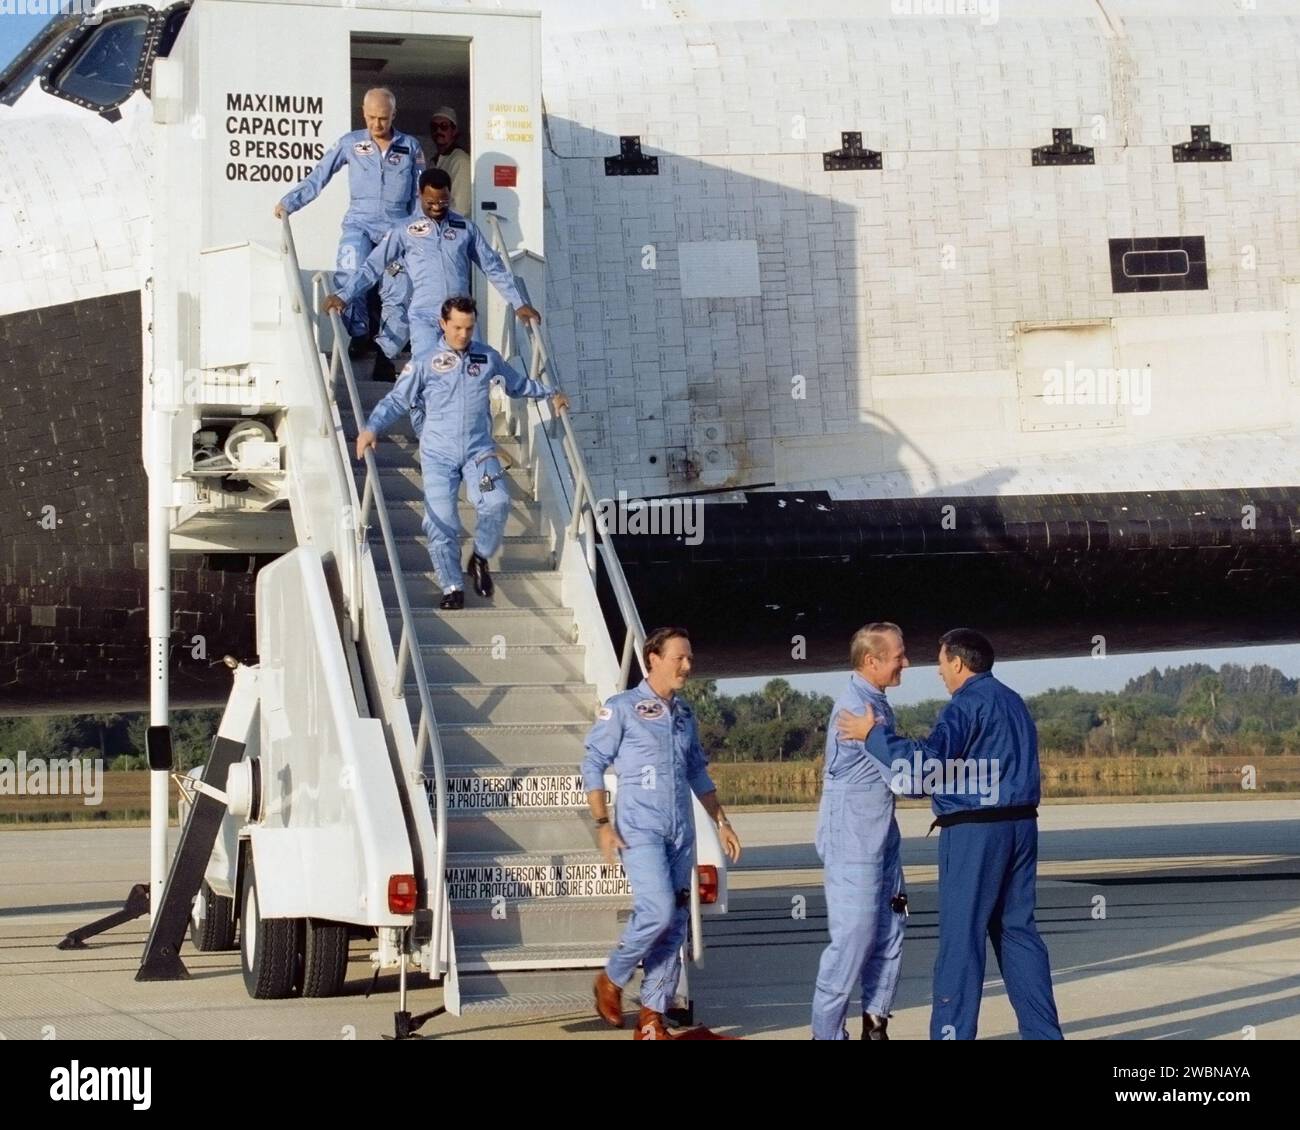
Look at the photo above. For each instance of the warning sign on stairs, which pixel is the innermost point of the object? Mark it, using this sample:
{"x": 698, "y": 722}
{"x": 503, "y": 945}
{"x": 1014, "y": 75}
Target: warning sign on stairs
{"x": 536, "y": 881}
{"x": 560, "y": 790}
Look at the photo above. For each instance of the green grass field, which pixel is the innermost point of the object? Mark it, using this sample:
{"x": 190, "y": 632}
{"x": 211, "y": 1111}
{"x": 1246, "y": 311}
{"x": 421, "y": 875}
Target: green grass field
{"x": 799, "y": 782}
{"x": 126, "y": 794}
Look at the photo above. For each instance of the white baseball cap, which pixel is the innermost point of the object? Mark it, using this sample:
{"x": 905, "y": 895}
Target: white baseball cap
{"x": 448, "y": 113}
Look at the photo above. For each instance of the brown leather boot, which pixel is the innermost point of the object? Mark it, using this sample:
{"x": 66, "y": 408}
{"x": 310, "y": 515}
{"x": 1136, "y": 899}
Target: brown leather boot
{"x": 650, "y": 1026}
{"x": 609, "y": 1000}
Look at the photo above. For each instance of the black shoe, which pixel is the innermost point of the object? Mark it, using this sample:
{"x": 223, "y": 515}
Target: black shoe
{"x": 360, "y": 347}
{"x": 477, "y": 568}
{"x": 384, "y": 369}
{"x": 452, "y": 601}
{"x": 875, "y": 1027}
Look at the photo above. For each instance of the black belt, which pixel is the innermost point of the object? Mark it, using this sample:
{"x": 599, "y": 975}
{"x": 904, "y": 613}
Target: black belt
{"x": 985, "y": 816}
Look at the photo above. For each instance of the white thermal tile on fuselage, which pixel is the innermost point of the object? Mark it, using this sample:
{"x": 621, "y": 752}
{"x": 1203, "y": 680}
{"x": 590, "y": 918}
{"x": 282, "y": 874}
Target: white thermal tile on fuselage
{"x": 862, "y": 249}
{"x": 79, "y": 207}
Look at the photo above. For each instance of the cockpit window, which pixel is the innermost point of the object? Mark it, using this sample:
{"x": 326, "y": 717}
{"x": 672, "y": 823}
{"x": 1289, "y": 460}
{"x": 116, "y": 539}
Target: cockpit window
{"x": 95, "y": 61}
{"x": 27, "y": 64}
{"x": 103, "y": 71}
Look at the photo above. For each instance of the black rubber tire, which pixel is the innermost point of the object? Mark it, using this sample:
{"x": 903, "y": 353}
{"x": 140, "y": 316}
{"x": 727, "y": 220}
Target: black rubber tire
{"x": 215, "y": 930}
{"x": 324, "y": 958}
{"x": 268, "y": 947}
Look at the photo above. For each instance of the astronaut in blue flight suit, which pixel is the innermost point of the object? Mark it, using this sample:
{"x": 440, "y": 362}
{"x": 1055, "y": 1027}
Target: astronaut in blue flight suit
{"x": 384, "y": 168}
{"x": 981, "y": 770}
{"x": 648, "y": 737}
{"x": 451, "y": 384}
{"x": 859, "y": 843}
{"x": 437, "y": 248}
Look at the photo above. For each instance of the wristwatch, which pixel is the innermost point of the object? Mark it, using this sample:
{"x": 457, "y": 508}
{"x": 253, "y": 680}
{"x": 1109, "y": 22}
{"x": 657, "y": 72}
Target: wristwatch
{"x": 602, "y": 820}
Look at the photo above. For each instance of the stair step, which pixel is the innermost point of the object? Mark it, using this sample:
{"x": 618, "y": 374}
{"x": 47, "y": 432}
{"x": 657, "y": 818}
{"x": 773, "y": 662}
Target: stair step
{"x": 405, "y": 484}
{"x": 482, "y": 627}
{"x": 548, "y": 705}
{"x": 401, "y": 451}
{"x": 508, "y": 831}
{"x": 392, "y": 456}
{"x": 512, "y": 748}
{"x": 519, "y": 554}
{"x": 537, "y": 993}
{"x": 367, "y": 389}
{"x": 406, "y": 517}
{"x": 405, "y": 463}
{"x": 491, "y": 924}
{"x": 537, "y": 956}
{"x": 370, "y": 394}
{"x": 402, "y": 430}
{"x": 520, "y": 501}
{"x": 511, "y": 665}
{"x": 573, "y": 875}
{"x": 515, "y": 590}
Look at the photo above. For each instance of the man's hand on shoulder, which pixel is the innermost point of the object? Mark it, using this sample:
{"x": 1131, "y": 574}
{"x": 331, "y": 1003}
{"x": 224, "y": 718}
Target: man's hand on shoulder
{"x": 855, "y": 727}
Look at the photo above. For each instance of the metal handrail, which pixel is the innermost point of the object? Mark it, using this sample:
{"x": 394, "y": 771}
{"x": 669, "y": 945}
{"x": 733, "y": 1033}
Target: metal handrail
{"x": 427, "y": 730}
{"x": 584, "y": 520}
{"x": 373, "y": 495}
{"x": 580, "y": 498}
{"x": 300, "y": 306}
{"x": 298, "y": 303}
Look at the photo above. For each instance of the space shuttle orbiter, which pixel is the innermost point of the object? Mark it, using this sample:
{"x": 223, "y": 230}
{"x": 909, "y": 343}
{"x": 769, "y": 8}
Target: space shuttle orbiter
{"x": 967, "y": 312}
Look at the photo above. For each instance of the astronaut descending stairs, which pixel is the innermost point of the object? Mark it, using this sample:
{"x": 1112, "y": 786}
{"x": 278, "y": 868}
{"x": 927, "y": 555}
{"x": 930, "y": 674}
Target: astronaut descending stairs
{"x": 534, "y": 907}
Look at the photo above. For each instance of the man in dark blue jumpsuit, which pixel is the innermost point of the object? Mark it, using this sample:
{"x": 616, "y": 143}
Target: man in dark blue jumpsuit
{"x": 980, "y": 765}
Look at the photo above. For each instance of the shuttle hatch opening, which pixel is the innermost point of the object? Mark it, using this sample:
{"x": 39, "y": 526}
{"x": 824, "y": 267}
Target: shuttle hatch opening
{"x": 430, "y": 77}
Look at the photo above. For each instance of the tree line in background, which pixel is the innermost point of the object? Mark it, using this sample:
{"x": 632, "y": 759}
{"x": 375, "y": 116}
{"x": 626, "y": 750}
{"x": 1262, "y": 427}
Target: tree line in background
{"x": 116, "y": 738}
{"x": 1184, "y": 710}
{"x": 1191, "y": 709}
